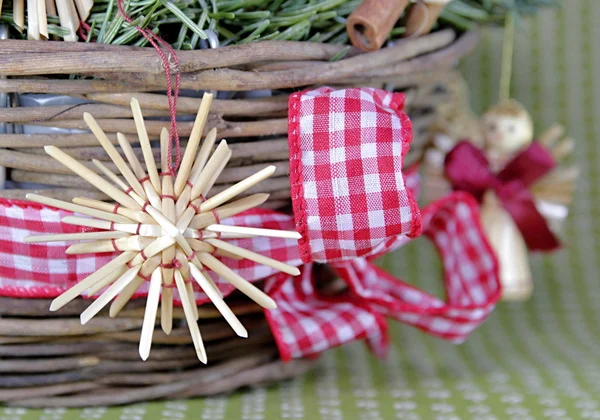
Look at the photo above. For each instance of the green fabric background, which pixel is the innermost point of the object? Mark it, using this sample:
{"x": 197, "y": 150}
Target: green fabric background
{"x": 538, "y": 360}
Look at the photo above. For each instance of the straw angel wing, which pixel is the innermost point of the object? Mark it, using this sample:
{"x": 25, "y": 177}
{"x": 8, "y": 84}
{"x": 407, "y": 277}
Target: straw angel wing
{"x": 166, "y": 230}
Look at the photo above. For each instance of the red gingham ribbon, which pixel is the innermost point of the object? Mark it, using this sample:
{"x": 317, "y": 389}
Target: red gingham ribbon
{"x": 346, "y": 156}
{"x": 304, "y": 320}
{"x": 309, "y": 322}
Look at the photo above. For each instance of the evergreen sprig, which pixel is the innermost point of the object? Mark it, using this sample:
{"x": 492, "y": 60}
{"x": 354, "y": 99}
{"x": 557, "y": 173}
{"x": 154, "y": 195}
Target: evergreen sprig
{"x": 183, "y": 23}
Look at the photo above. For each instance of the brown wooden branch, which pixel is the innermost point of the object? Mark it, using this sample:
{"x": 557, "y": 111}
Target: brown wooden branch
{"x": 231, "y": 107}
{"x": 36, "y": 114}
{"x": 52, "y": 327}
{"x": 446, "y": 57}
{"x": 48, "y": 390}
{"x": 153, "y": 105}
{"x": 211, "y": 373}
{"x": 228, "y": 176}
{"x": 34, "y": 58}
{"x": 65, "y": 194}
{"x": 196, "y": 386}
{"x": 228, "y": 79}
{"x": 16, "y": 141}
{"x": 244, "y": 153}
{"x": 47, "y": 364}
{"x": 226, "y": 129}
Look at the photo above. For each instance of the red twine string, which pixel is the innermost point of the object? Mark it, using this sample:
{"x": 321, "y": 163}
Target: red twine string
{"x": 172, "y": 96}
{"x": 84, "y": 30}
{"x": 216, "y": 216}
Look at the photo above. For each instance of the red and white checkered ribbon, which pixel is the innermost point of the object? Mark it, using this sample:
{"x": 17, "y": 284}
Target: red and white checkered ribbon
{"x": 45, "y": 270}
{"x": 352, "y": 203}
{"x": 307, "y": 321}
{"x": 346, "y": 156}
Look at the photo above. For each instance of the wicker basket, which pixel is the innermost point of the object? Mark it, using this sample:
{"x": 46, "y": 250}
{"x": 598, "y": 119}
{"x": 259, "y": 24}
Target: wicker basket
{"x": 49, "y": 359}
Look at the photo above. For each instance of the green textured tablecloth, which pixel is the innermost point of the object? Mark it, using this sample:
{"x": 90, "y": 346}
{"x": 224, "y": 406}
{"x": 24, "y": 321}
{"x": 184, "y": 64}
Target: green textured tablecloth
{"x": 539, "y": 360}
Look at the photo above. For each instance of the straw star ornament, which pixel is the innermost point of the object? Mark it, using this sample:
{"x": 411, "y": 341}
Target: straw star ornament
{"x": 165, "y": 229}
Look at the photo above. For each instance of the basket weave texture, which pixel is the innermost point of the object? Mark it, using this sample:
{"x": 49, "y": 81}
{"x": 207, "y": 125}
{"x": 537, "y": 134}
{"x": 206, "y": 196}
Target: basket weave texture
{"x": 259, "y": 124}
{"x": 49, "y": 359}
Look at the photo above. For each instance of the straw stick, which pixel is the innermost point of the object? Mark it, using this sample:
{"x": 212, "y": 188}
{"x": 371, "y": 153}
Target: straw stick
{"x": 169, "y": 227}
{"x": 110, "y": 174}
{"x": 133, "y": 228}
{"x": 128, "y": 214}
{"x": 128, "y": 243}
{"x": 189, "y": 316}
{"x": 151, "y": 192}
{"x": 93, "y": 223}
{"x": 42, "y": 17}
{"x": 154, "y": 248}
{"x": 238, "y": 282}
{"x": 83, "y": 236}
{"x": 222, "y": 307}
{"x": 150, "y": 314}
{"x": 200, "y": 221}
{"x": 185, "y": 270}
{"x": 237, "y": 189}
{"x": 193, "y": 142}
{"x": 19, "y": 14}
{"x": 164, "y": 151}
{"x": 33, "y": 29}
{"x": 168, "y": 255}
{"x": 76, "y": 208}
{"x": 94, "y": 179}
{"x": 253, "y": 256}
{"x": 190, "y": 292}
{"x": 200, "y": 246}
{"x": 225, "y": 254}
{"x": 136, "y": 167}
{"x": 184, "y": 198}
{"x": 211, "y": 167}
{"x": 125, "y": 296}
{"x": 106, "y": 281}
{"x": 92, "y": 279}
{"x": 145, "y": 144}
{"x": 196, "y": 234}
{"x": 83, "y": 8}
{"x": 120, "y": 301}
{"x": 286, "y": 234}
{"x": 203, "y": 154}
{"x": 183, "y": 201}
{"x": 166, "y": 303}
{"x": 66, "y": 14}
{"x": 109, "y": 294}
{"x": 216, "y": 175}
{"x": 114, "y": 155}
{"x": 186, "y": 217}
{"x": 166, "y": 310}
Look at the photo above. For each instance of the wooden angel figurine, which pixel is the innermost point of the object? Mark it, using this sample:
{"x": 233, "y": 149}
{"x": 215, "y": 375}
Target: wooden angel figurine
{"x": 524, "y": 192}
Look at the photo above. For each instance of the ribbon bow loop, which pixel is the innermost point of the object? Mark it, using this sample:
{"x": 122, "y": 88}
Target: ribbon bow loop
{"x": 346, "y": 156}
{"x": 468, "y": 169}
{"x": 310, "y": 322}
